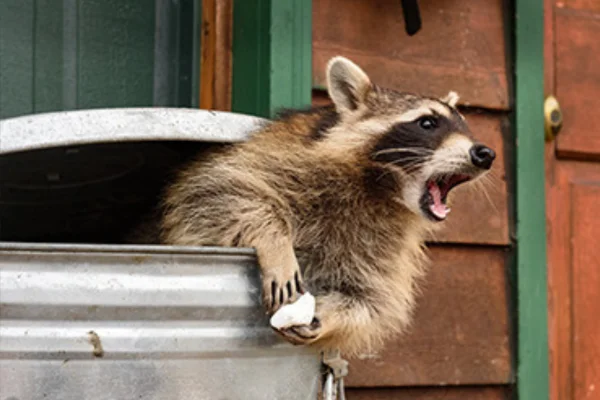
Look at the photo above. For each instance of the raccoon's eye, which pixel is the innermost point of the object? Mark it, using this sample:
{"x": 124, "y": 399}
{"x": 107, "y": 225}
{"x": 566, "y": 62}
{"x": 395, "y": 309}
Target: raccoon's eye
{"x": 428, "y": 123}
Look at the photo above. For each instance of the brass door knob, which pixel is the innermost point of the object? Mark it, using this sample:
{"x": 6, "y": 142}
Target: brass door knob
{"x": 553, "y": 118}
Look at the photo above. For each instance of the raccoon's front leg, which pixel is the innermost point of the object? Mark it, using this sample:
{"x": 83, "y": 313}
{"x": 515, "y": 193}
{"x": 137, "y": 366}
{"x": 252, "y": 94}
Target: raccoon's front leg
{"x": 341, "y": 321}
{"x": 237, "y": 218}
{"x": 281, "y": 277}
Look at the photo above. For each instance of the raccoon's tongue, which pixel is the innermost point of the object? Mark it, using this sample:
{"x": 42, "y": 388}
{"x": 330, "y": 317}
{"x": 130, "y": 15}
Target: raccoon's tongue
{"x": 438, "y": 208}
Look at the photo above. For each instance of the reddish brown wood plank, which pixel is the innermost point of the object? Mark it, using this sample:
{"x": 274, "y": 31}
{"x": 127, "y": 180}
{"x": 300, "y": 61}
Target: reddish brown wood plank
{"x": 562, "y": 206}
{"x": 216, "y": 59}
{"x": 549, "y": 47}
{"x": 479, "y": 215}
{"x": 208, "y": 53}
{"x": 578, "y": 81}
{"x": 431, "y": 393}
{"x": 589, "y": 5}
{"x": 586, "y": 289}
{"x": 559, "y": 281}
{"x": 461, "y": 46}
{"x": 223, "y": 55}
{"x": 460, "y": 333}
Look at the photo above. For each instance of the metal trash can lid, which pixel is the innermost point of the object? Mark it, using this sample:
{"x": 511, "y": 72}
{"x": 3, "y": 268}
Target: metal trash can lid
{"x": 69, "y": 128}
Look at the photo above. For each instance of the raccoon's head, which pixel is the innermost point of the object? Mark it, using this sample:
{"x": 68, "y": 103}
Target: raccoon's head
{"x": 424, "y": 143}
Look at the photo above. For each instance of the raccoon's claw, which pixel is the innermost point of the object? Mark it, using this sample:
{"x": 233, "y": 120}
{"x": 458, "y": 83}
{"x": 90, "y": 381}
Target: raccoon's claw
{"x": 277, "y": 293}
{"x": 301, "y": 334}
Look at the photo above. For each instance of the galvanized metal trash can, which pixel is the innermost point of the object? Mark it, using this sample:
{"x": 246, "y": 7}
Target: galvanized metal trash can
{"x": 109, "y": 321}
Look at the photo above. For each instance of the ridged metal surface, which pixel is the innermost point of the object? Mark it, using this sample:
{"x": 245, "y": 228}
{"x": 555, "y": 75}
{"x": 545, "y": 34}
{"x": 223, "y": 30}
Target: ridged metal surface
{"x": 141, "y": 322}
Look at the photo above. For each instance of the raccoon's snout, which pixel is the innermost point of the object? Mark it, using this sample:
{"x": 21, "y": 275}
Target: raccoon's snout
{"x": 482, "y": 156}
{"x": 440, "y": 182}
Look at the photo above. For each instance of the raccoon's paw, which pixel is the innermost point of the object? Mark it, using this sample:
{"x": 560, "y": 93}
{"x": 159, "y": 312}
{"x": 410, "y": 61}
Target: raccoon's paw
{"x": 302, "y": 334}
{"x": 281, "y": 286}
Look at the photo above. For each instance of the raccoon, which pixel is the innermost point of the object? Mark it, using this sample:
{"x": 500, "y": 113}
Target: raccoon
{"x": 337, "y": 200}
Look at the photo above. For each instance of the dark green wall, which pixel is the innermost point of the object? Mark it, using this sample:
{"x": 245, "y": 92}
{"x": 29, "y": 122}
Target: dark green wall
{"x": 68, "y": 54}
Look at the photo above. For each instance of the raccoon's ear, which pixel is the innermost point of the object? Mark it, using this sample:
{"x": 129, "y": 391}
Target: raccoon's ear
{"x": 451, "y": 99}
{"x": 348, "y": 85}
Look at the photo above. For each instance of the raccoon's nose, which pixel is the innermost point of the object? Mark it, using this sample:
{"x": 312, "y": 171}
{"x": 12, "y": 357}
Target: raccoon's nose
{"x": 482, "y": 156}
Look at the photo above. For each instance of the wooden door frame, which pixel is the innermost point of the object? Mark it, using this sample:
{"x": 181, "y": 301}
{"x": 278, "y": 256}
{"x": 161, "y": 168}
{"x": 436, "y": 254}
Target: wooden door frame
{"x": 272, "y": 55}
{"x": 531, "y": 267}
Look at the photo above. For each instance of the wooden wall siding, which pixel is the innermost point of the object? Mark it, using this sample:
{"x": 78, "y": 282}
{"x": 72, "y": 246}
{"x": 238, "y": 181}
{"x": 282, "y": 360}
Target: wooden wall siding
{"x": 577, "y": 29}
{"x": 460, "y": 333}
{"x": 461, "y": 46}
{"x": 445, "y": 393}
{"x": 581, "y": 5}
{"x": 478, "y": 216}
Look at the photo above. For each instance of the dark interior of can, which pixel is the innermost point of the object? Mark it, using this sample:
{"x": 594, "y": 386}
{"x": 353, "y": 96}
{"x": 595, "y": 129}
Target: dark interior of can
{"x": 85, "y": 194}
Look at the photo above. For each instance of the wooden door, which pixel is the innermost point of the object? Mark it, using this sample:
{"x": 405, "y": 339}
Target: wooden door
{"x": 573, "y": 197}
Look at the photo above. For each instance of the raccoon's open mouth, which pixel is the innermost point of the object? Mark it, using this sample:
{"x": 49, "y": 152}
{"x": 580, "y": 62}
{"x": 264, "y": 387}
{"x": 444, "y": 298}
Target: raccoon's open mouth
{"x": 433, "y": 201}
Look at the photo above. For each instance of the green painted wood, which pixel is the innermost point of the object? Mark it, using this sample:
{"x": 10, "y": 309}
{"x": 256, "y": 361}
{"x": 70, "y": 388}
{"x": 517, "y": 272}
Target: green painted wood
{"x": 532, "y": 348}
{"x": 291, "y": 54}
{"x": 69, "y": 54}
{"x": 188, "y": 58}
{"x": 48, "y": 56}
{"x": 251, "y": 52}
{"x": 16, "y": 57}
{"x": 115, "y": 47}
{"x": 272, "y": 55}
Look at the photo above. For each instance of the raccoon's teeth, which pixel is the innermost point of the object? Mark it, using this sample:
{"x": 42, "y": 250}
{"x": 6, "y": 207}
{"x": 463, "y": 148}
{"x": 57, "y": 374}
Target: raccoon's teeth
{"x": 438, "y": 208}
{"x": 440, "y": 211}
{"x": 436, "y": 193}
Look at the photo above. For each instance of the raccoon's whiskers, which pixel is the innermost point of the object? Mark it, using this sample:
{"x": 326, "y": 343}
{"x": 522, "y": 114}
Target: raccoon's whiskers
{"x": 410, "y": 165}
{"x": 445, "y": 164}
{"x": 484, "y": 184}
{"x": 490, "y": 178}
{"x": 415, "y": 150}
{"x": 481, "y": 185}
{"x": 407, "y": 168}
{"x": 433, "y": 235}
